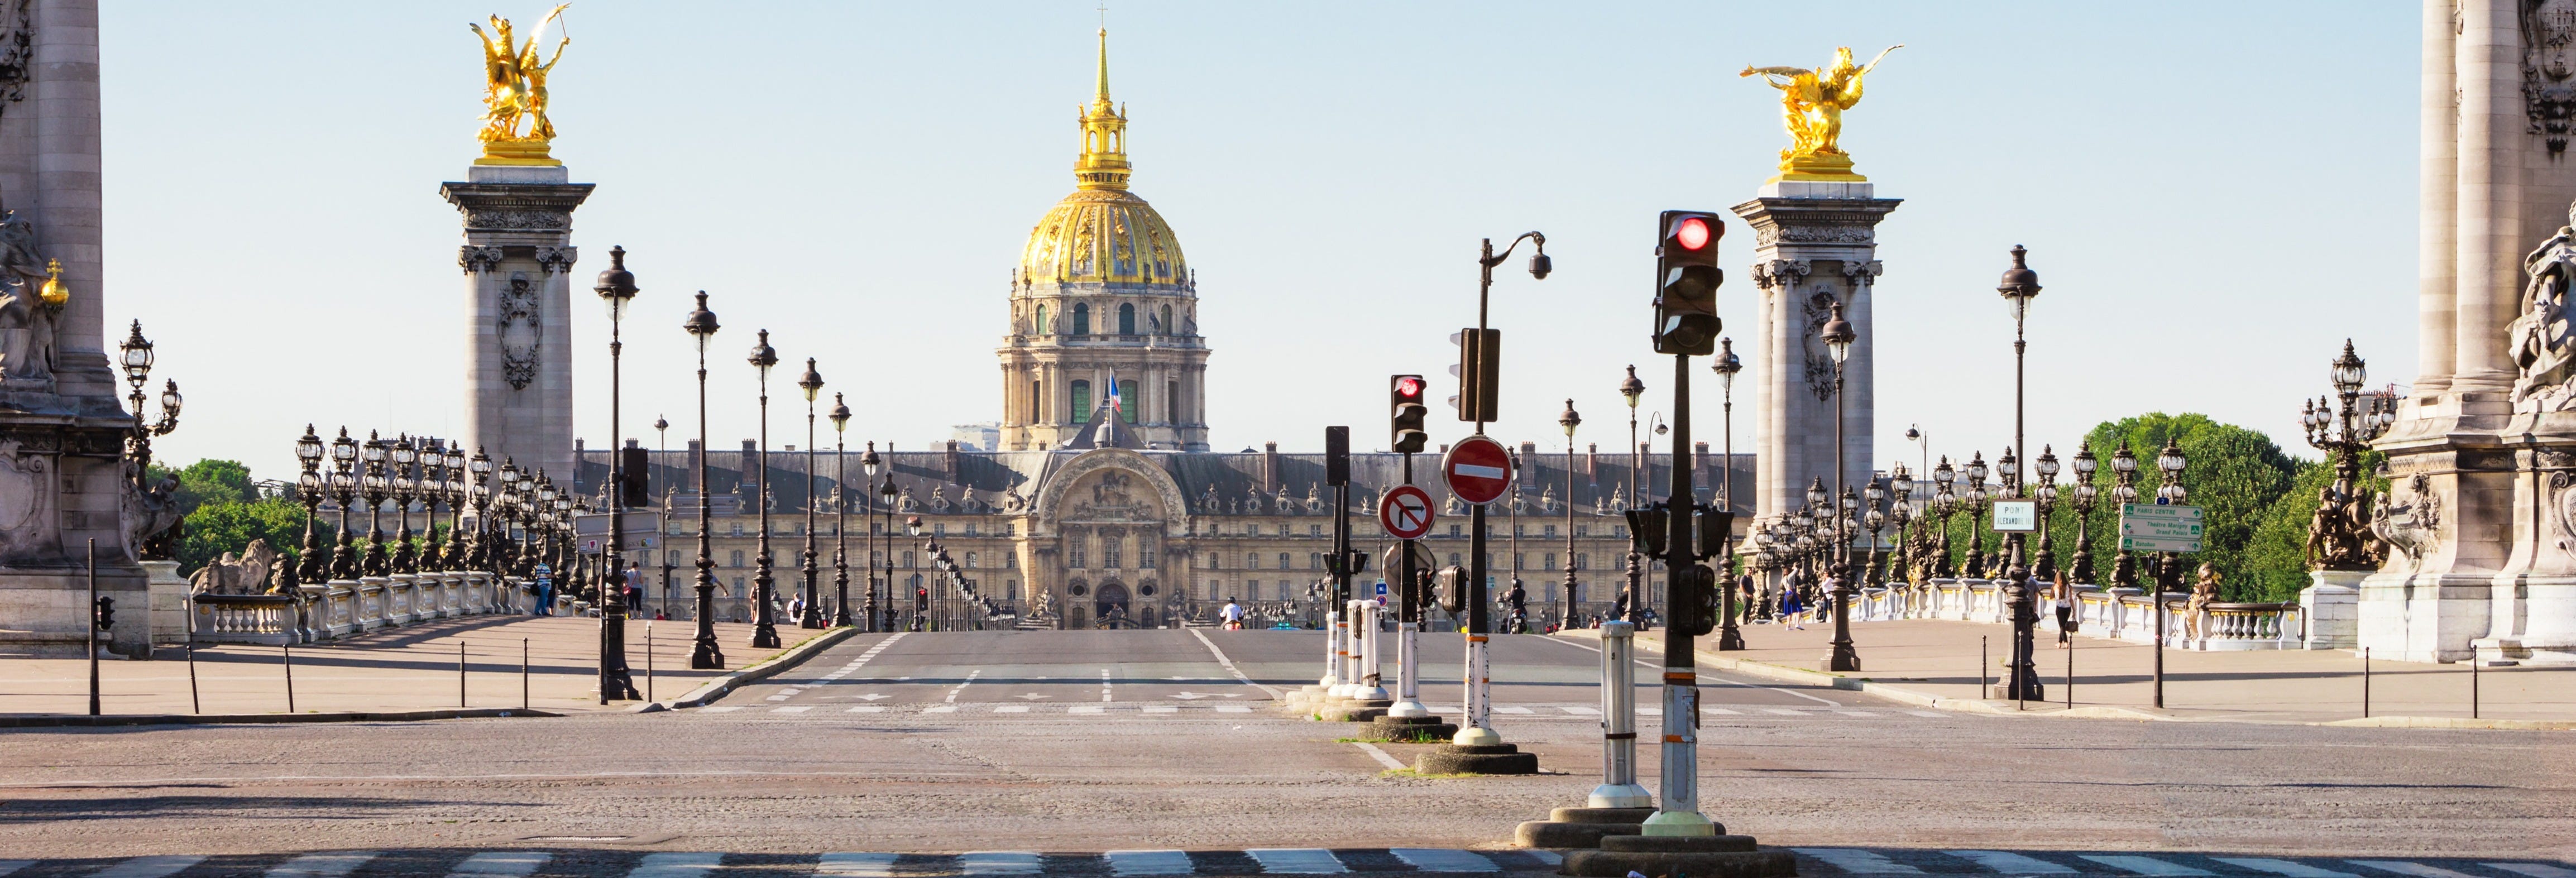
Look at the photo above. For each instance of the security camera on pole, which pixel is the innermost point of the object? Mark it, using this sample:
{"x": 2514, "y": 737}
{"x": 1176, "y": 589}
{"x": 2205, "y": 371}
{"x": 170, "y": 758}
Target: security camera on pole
{"x": 1479, "y": 471}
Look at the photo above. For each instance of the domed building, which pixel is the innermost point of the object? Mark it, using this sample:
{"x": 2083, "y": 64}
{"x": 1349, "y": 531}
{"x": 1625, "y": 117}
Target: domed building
{"x": 1103, "y": 507}
{"x": 1104, "y": 313}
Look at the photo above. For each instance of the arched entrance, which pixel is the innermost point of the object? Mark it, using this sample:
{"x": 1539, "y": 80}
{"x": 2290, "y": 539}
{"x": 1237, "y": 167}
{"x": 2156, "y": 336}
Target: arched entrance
{"x": 1111, "y": 606}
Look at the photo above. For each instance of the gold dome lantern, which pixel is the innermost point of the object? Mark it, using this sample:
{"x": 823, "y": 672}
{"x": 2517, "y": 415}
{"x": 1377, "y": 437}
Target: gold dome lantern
{"x": 53, "y": 293}
{"x": 1103, "y": 233}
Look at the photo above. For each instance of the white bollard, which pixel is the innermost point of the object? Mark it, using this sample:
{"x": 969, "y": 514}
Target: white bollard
{"x": 1408, "y": 680}
{"x": 1619, "y": 788}
{"x": 1372, "y": 669}
{"x": 1332, "y": 681}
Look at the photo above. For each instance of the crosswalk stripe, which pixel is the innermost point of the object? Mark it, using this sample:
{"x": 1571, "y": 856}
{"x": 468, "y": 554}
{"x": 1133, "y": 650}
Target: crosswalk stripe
{"x": 1083, "y": 708}
{"x": 1297, "y": 861}
{"x": 1513, "y": 710}
{"x": 1784, "y": 711}
{"x": 1012, "y": 708}
{"x": 149, "y": 867}
{"x": 2009, "y": 863}
{"x": 506, "y": 864}
{"x": 2523, "y": 869}
{"x": 998, "y": 863}
{"x": 677, "y": 865}
{"x": 1857, "y": 713}
{"x": 2145, "y": 865}
{"x": 1444, "y": 860}
{"x": 1859, "y": 862}
{"x": 1233, "y": 708}
{"x": 1149, "y": 863}
{"x": 1930, "y": 713}
{"x": 2403, "y": 867}
{"x": 868, "y": 708}
{"x": 2535, "y": 870}
{"x": 8, "y": 866}
{"x": 2295, "y": 870}
{"x": 944, "y": 708}
{"x": 722, "y": 708}
{"x": 856, "y": 865}
{"x": 1582, "y": 711}
{"x": 1161, "y": 708}
{"x": 1720, "y": 710}
{"x": 801, "y": 708}
{"x": 317, "y": 865}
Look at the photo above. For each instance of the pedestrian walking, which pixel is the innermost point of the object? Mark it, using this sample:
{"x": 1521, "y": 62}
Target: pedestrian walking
{"x": 1232, "y": 614}
{"x": 1791, "y": 604}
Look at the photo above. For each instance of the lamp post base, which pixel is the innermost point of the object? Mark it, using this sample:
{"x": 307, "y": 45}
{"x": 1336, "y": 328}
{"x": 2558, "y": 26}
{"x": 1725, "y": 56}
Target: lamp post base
{"x": 765, "y": 636}
{"x": 1844, "y": 657}
{"x": 1729, "y": 639}
{"x": 706, "y": 657}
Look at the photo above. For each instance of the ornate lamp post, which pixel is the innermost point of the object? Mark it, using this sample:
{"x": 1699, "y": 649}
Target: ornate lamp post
{"x": 1570, "y": 420}
{"x": 479, "y": 492}
{"x": 764, "y": 631}
{"x": 701, "y": 326}
{"x": 137, "y": 361}
{"x": 433, "y": 494}
{"x": 2124, "y": 467}
{"x": 375, "y": 484}
{"x": 1632, "y": 389}
{"x": 1976, "y": 503}
{"x": 505, "y": 500}
{"x": 2339, "y": 535}
{"x": 840, "y": 512}
{"x": 920, "y": 596}
{"x": 812, "y": 384}
{"x": 1900, "y": 512}
{"x": 405, "y": 483}
{"x": 888, "y": 494}
{"x": 2168, "y": 568}
{"x": 457, "y": 557}
{"x": 869, "y": 464}
{"x": 2086, "y": 495}
{"x": 1837, "y": 335}
{"x": 309, "y": 487}
{"x": 2018, "y": 287}
{"x": 616, "y": 289}
{"x": 1943, "y": 503}
{"x": 1874, "y": 519}
{"x": 344, "y": 487}
{"x": 2023, "y": 680}
{"x": 2044, "y": 564}
{"x": 1727, "y": 366}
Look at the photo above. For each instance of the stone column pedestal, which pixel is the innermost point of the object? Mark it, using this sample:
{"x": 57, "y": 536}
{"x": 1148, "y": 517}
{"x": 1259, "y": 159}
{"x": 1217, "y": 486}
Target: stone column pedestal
{"x": 2331, "y": 609}
{"x": 1815, "y": 246}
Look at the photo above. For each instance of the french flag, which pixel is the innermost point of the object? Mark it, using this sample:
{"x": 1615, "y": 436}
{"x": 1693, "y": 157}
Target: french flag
{"x": 1116, "y": 405}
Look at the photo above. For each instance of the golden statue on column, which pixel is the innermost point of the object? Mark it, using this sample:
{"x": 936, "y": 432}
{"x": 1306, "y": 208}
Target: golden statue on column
{"x": 515, "y": 128}
{"x": 1812, "y": 103}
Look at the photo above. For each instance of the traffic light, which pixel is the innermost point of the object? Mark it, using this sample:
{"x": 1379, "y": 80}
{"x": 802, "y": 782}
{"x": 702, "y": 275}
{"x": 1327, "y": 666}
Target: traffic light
{"x": 1449, "y": 588}
{"x": 1479, "y": 372}
{"x": 1406, "y": 411}
{"x": 1686, "y": 282}
{"x": 106, "y": 612}
{"x": 921, "y": 598}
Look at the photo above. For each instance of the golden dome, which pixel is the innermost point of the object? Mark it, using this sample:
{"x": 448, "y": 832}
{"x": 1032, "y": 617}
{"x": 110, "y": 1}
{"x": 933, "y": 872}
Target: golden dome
{"x": 1105, "y": 236}
{"x": 1102, "y": 233}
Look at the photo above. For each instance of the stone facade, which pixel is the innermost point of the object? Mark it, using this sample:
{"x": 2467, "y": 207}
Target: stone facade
{"x": 518, "y": 260}
{"x": 2480, "y": 518}
{"x": 1815, "y": 245}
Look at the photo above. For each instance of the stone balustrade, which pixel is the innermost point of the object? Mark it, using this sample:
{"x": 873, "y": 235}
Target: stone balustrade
{"x": 340, "y": 608}
{"x": 2115, "y": 613}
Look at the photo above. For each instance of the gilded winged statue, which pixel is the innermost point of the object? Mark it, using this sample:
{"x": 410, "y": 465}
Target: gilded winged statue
{"x": 1812, "y": 104}
{"x": 514, "y": 88}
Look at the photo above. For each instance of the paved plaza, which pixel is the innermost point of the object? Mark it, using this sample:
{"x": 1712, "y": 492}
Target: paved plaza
{"x": 1081, "y": 743}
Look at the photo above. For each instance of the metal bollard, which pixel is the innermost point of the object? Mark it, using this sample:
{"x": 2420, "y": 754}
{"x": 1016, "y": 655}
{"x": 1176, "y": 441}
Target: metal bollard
{"x": 1372, "y": 679}
{"x": 1332, "y": 681}
{"x": 1408, "y": 675}
{"x": 1619, "y": 788}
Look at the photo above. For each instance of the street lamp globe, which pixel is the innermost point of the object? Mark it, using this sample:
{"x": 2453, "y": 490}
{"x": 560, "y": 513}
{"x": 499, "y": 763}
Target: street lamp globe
{"x": 1632, "y": 388}
{"x": 869, "y": 463}
{"x": 2020, "y": 285}
{"x": 812, "y": 383}
{"x": 1943, "y": 475}
{"x": 2349, "y": 372}
{"x": 1977, "y": 467}
{"x": 2047, "y": 465}
{"x": 170, "y": 399}
{"x": 616, "y": 286}
{"x": 1727, "y": 365}
{"x": 912, "y": 525}
{"x": 701, "y": 324}
{"x": 309, "y": 448}
{"x": 1816, "y": 492}
{"x": 137, "y": 358}
{"x": 1900, "y": 482}
{"x": 1569, "y": 420}
{"x": 1837, "y": 335}
{"x": 763, "y": 356}
{"x": 840, "y": 414}
{"x": 2085, "y": 464}
{"x": 2008, "y": 467}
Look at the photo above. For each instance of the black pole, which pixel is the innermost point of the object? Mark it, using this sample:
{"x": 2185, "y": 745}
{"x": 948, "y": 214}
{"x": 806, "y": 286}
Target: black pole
{"x": 1729, "y": 639}
{"x": 764, "y": 630}
{"x": 286, "y": 660}
{"x": 705, "y": 655}
{"x": 93, "y": 626}
{"x": 616, "y": 682}
{"x": 460, "y": 672}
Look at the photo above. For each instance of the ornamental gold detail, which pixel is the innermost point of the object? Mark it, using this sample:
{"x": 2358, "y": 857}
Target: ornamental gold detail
{"x": 1812, "y": 104}
{"x": 516, "y": 130}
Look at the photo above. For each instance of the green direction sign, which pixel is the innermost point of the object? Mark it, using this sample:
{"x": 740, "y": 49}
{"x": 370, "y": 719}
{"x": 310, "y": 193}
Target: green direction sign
{"x": 2154, "y": 528}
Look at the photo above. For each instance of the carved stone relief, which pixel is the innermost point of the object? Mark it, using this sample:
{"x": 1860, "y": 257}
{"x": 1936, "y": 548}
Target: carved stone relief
{"x": 2548, "y": 70}
{"x": 520, "y": 328}
{"x": 29, "y": 528}
{"x": 2413, "y": 528}
{"x": 476, "y": 258}
{"x": 557, "y": 260}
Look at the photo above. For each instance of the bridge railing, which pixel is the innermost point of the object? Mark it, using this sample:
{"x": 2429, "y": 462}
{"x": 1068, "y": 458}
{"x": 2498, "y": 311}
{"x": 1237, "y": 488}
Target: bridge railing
{"x": 2113, "y": 613}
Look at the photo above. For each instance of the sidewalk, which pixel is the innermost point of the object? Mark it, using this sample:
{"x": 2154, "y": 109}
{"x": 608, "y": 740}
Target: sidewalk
{"x": 411, "y": 668}
{"x": 1929, "y": 660}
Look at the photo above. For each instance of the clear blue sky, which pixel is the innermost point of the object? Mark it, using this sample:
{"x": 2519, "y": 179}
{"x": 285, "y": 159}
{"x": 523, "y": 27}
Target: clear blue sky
{"x": 2214, "y": 194}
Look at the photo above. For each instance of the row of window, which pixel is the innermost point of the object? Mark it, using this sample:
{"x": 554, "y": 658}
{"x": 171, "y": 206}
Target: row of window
{"x": 737, "y": 558}
{"x": 1081, "y": 314}
{"x": 742, "y": 588}
{"x": 679, "y": 528}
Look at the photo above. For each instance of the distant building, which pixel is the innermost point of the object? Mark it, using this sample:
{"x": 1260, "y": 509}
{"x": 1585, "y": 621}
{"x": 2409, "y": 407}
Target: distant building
{"x": 986, "y": 436}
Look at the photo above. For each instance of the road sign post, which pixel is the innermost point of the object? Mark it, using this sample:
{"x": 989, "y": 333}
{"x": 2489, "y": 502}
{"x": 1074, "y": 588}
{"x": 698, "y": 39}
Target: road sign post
{"x": 1478, "y": 471}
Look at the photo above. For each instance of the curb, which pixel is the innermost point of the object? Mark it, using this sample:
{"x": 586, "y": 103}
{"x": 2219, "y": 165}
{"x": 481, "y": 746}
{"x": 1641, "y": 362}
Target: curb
{"x": 2005, "y": 708}
{"x": 719, "y": 687}
{"x": 161, "y": 719}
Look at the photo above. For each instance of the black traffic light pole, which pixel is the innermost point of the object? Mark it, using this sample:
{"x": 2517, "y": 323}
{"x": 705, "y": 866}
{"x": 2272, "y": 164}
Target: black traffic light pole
{"x": 1685, "y": 322}
{"x": 1337, "y": 456}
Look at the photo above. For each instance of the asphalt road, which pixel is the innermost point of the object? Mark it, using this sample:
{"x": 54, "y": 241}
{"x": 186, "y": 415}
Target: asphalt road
{"x": 902, "y": 745}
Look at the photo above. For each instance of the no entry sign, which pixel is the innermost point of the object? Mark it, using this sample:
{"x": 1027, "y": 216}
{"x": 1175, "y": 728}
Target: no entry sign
{"x": 1405, "y": 512}
{"x": 1478, "y": 469}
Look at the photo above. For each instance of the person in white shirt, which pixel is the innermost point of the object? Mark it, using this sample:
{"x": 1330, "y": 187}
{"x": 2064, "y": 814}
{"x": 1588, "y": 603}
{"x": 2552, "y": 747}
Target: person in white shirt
{"x": 1233, "y": 615}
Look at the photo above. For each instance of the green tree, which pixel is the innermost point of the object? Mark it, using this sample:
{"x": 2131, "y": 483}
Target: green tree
{"x": 210, "y": 481}
{"x": 230, "y": 526}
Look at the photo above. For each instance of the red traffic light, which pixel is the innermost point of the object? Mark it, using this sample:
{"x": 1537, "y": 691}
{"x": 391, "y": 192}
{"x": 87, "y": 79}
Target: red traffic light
{"x": 1692, "y": 233}
{"x": 1408, "y": 386}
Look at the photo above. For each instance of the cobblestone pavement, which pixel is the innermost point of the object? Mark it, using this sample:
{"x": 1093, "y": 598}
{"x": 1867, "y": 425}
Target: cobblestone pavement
{"x": 1801, "y": 768}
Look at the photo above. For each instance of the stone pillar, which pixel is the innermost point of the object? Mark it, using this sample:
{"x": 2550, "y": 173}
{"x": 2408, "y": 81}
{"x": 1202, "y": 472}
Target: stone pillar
{"x": 2492, "y": 123}
{"x": 1814, "y": 246}
{"x": 2438, "y": 198}
{"x": 518, "y": 258}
